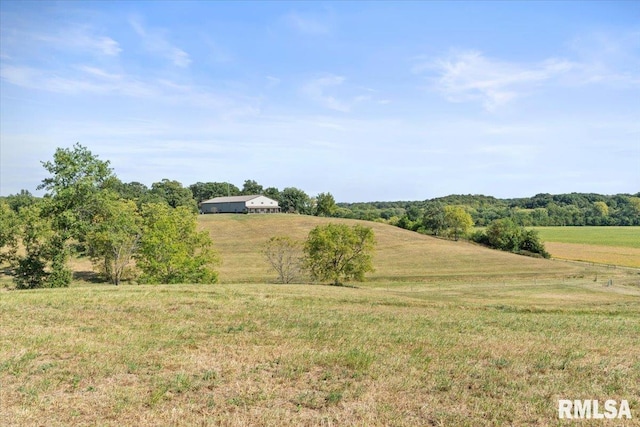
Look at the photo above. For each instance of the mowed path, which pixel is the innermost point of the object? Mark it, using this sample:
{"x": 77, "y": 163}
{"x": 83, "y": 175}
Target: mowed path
{"x": 601, "y": 254}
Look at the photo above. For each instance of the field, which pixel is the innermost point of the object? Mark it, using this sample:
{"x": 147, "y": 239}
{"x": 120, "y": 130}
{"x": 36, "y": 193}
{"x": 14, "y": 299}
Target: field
{"x": 602, "y": 245}
{"x": 444, "y": 333}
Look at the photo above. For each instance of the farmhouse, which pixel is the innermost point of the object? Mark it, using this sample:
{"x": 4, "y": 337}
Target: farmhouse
{"x": 240, "y": 204}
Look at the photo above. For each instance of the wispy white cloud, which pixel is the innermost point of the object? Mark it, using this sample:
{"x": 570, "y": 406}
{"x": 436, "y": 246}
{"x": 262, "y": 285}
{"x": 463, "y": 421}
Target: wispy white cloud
{"x": 318, "y": 91}
{"x": 333, "y": 92}
{"x": 470, "y": 76}
{"x": 155, "y": 41}
{"x": 307, "y": 24}
{"x": 78, "y": 37}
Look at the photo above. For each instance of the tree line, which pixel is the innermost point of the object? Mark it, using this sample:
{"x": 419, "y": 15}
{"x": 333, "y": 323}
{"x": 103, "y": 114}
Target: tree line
{"x": 132, "y": 232}
{"x": 575, "y": 209}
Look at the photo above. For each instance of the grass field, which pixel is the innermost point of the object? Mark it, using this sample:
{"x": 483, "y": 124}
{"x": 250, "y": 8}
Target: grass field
{"x": 602, "y": 245}
{"x": 444, "y": 333}
{"x": 627, "y": 237}
{"x": 401, "y": 255}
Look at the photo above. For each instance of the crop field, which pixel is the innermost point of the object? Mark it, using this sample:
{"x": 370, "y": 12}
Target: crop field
{"x": 603, "y": 245}
{"x": 444, "y": 333}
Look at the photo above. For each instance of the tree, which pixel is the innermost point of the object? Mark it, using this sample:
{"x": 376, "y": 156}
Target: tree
{"x": 325, "y": 205}
{"x": 43, "y": 262}
{"x": 174, "y": 194}
{"x": 172, "y": 250}
{"x": 9, "y": 232}
{"x": 251, "y": 188}
{"x": 77, "y": 177}
{"x": 434, "y": 219}
{"x": 209, "y": 190}
{"x": 21, "y": 200}
{"x": 504, "y": 234}
{"x": 457, "y": 220}
{"x": 294, "y": 200}
{"x": 285, "y": 257}
{"x": 272, "y": 193}
{"x": 114, "y": 238}
{"x": 338, "y": 252}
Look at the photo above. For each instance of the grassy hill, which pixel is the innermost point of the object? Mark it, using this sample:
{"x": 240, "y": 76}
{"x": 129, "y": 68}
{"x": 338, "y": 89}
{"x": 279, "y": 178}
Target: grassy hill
{"x": 401, "y": 255}
{"x": 444, "y": 333}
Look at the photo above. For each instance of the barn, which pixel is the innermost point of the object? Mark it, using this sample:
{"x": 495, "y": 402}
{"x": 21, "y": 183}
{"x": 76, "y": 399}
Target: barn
{"x": 240, "y": 204}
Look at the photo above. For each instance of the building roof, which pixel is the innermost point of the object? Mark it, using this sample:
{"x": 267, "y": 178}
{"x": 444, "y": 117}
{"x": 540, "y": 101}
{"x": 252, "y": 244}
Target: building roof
{"x": 231, "y": 199}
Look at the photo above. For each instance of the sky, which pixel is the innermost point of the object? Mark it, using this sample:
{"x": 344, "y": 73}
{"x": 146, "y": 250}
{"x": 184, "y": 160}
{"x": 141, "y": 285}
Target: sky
{"x": 370, "y": 101}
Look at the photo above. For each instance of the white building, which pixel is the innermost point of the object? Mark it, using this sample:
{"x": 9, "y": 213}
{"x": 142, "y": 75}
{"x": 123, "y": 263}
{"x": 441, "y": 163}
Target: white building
{"x": 240, "y": 204}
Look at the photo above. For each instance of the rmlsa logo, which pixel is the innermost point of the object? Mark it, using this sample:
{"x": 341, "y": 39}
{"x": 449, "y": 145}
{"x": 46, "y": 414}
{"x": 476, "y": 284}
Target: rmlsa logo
{"x": 591, "y": 409}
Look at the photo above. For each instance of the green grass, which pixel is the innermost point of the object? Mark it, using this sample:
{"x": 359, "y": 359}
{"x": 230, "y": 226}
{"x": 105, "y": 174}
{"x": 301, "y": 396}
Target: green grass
{"x": 257, "y": 354}
{"x": 607, "y": 236}
{"x": 618, "y": 246}
{"x": 443, "y": 333}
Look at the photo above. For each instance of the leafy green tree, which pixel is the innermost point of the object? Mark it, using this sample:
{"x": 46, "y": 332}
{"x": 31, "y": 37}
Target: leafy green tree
{"x": 325, "y": 205}
{"x": 504, "y": 234}
{"x": 172, "y": 250}
{"x": 338, "y": 252}
{"x": 457, "y": 220}
{"x": 251, "y": 188}
{"x": 294, "y": 200}
{"x": 433, "y": 218}
{"x": 209, "y": 190}
{"x": 285, "y": 256}
{"x": 9, "y": 232}
{"x": 272, "y": 193}
{"x": 43, "y": 262}
{"x": 114, "y": 238}
{"x": 21, "y": 200}
{"x": 174, "y": 194}
{"x": 77, "y": 177}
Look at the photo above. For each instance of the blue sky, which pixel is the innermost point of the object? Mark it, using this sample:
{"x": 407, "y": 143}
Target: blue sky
{"x": 368, "y": 101}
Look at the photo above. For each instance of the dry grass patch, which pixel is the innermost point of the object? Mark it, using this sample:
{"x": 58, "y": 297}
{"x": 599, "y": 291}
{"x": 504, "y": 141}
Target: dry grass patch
{"x": 314, "y": 355}
{"x": 601, "y": 254}
{"x": 401, "y": 255}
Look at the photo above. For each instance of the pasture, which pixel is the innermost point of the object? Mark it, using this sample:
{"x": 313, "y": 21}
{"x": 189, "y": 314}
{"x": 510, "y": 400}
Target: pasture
{"x": 443, "y": 333}
{"x": 603, "y": 245}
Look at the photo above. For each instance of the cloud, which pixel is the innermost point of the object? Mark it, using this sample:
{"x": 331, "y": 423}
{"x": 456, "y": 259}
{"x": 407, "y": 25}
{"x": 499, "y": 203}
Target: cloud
{"x": 155, "y": 42}
{"x": 470, "y": 76}
{"x": 317, "y": 90}
{"x": 307, "y": 24}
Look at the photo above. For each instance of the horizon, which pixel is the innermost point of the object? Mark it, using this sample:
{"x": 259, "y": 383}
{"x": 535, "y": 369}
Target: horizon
{"x": 368, "y": 101}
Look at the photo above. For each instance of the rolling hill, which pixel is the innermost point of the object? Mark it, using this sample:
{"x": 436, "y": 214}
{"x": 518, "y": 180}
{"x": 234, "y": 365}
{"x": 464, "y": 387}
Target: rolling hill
{"x": 401, "y": 255}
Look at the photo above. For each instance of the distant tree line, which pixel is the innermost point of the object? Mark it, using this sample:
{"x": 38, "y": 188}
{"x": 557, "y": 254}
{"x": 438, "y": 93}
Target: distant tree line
{"x": 575, "y": 209}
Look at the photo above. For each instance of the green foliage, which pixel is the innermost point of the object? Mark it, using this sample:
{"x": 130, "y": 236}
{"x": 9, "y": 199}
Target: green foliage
{"x": 44, "y": 259}
{"x": 541, "y": 210}
{"x": 325, "y": 205}
{"x": 9, "y": 232}
{"x": 506, "y": 235}
{"x": 172, "y": 250}
{"x": 434, "y": 219}
{"x": 285, "y": 256}
{"x": 338, "y": 252}
{"x": 21, "y": 200}
{"x": 209, "y": 190}
{"x": 294, "y": 200}
{"x": 174, "y": 194}
{"x": 113, "y": 239}
{"x": 251, "y": 188}
{"x": 77, "y": 176}
{"x": 457, "y": 221}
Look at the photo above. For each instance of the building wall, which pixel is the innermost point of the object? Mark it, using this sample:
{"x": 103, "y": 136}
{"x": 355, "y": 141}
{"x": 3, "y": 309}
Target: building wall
{"x": 262, "y": 202}
{"x": 226, "y": 207}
